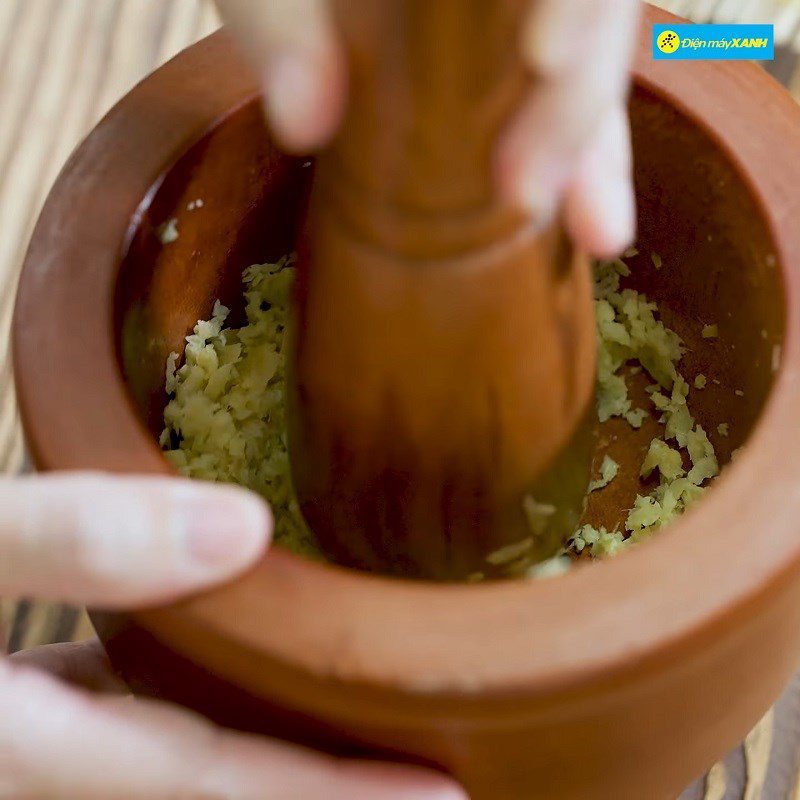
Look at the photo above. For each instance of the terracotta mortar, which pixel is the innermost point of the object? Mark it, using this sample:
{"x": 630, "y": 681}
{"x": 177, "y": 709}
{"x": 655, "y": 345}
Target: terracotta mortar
{"x": 621, "y": 679}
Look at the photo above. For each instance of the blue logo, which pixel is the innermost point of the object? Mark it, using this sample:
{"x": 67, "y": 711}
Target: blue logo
{"x": 717, "y": 42}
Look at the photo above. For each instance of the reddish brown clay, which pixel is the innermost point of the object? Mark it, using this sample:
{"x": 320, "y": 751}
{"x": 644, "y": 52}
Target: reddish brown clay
{"x": 411, "y": 266}
{"x": 623, "y": 679}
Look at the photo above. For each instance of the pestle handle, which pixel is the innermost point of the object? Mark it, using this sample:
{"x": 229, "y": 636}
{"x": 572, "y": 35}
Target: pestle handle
{"x": 431, "y": 86}
{"x": 443, "y": 362}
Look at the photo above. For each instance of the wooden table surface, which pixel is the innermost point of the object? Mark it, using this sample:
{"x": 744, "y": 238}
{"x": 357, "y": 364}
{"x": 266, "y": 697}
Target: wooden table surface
{"x": 63, "y": 64}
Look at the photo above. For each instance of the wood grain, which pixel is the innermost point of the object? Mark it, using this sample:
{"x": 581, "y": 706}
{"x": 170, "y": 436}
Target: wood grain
{"x": 63, "y": 64}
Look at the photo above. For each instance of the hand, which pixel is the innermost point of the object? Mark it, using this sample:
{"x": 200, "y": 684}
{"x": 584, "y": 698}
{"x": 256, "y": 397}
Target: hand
{"x": 114, "y": 543}
{"x": 569, "y": 145}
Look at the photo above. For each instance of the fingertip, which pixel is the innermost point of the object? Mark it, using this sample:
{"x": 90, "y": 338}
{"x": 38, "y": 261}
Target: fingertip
{"x": 304, "y": 95}
{"x": 522, "y": 189}
{"x": 226, "y": 529}
{"x": 125, "y": 542}
{"x": 600, "y": 206}
{"x": 392, "y": 781}
{"x": 528, "y": 179}
{"x": 601, "y": 219}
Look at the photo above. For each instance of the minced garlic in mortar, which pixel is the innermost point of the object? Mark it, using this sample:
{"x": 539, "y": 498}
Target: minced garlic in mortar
{"x": 629, "y": 330}
{"x": 225, "y": 417}
{"x": 224, "y": 420}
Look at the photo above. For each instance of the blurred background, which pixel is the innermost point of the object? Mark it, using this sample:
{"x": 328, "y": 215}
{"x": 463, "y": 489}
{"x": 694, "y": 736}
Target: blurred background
{"x": 63, "y": 64}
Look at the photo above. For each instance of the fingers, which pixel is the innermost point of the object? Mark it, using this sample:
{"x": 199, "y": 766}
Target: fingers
{"x": 83, "y": 664}
{"x": 560, "y": 36}
{"x": 98, "y": 748}
{"x": 600, "y": 209}
{"x": 105, "y": 541}
{"x": 579, "y": 52}
{"x": 292, "y": 44}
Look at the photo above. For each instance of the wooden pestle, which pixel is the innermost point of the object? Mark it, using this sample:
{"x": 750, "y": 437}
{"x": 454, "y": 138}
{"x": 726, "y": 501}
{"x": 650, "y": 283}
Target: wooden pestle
{"x": 443, "y": 363}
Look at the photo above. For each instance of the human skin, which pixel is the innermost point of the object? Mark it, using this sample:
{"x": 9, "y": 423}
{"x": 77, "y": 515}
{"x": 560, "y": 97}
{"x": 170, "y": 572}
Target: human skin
{"x": 567, "y": 149}
{"x": 66, "y": 731}
{"x": 125, "y": 542}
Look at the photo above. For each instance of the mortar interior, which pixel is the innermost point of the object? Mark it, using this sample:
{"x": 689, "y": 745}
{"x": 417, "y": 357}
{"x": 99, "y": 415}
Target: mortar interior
{"x": 695, "y": 211}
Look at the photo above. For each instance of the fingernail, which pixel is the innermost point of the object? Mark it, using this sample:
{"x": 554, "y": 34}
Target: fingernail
{"x": 224, "y": 528}
{"x": 291, "y": 94}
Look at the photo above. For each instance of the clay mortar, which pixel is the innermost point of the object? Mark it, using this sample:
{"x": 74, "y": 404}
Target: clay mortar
{"x": 621, "y": 679}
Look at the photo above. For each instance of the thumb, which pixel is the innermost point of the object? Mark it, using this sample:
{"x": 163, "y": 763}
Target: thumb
{"x": 109, "y": 541}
